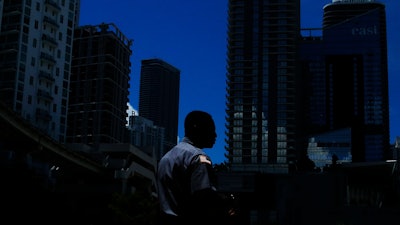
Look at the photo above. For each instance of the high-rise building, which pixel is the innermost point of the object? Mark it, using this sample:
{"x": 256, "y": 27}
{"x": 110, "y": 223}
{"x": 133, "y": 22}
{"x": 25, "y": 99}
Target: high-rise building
{"x": 346, "y": 76}
{"x": 35, "y": 60}
{"x": 99, "y": 86}
{"x": 159, "y": 97}
{"x": 262, "y": 90}
{"x": 355, "y": 41}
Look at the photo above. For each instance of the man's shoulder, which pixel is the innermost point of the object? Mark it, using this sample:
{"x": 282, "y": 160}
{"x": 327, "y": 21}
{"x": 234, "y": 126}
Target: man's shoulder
{"x": 204, "y": 159}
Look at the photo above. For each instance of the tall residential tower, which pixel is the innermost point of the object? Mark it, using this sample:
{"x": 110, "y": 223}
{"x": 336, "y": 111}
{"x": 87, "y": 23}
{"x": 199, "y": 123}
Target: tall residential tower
{"x": 99, "y": 86}
{"x": 262, "y": 85}
{"x": 159, "y": 98}
{"x": 35, "y": 60}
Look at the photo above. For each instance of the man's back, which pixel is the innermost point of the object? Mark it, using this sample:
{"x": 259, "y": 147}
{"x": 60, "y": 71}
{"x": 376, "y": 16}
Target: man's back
{"x": 173, "y": 177}
{"x": 185, "y": 178}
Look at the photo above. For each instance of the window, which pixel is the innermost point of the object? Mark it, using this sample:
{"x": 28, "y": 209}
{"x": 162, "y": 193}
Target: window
{"x": 33, "y": 61}
{"x": 26, "y": 20}
{"x": 25, "y": 29}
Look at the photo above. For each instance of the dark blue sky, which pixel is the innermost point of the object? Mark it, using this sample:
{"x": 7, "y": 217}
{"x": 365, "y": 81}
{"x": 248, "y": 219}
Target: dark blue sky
{"x": 191, "y": 35}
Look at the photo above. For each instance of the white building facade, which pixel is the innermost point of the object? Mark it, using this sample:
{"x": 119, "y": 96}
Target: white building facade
{"x": 35, "y": 60}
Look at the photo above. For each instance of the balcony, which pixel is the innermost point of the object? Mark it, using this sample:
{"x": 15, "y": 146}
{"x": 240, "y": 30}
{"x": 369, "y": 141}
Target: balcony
{"x": 47, "y": 57}
{"x": 52, "y": 4}
{"x": 50, "y": 21}
{"x": 43, "y": 114}
{"x": 46, "y": 76}
{"x": 44, "y": 95}
{"x": 50, "y": 40}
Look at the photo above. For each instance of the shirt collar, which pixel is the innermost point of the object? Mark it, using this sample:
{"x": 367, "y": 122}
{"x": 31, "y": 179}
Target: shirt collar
{"x": 187, "y": 140}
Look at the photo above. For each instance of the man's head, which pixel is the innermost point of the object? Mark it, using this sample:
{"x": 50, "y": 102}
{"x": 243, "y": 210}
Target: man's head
{"x": 200, "y": 129}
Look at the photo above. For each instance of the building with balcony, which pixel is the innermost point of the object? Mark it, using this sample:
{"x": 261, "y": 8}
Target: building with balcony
{"x": 262, "y": 87}
{"x": 99, "y": 85}
{"x": 35, "y": 60}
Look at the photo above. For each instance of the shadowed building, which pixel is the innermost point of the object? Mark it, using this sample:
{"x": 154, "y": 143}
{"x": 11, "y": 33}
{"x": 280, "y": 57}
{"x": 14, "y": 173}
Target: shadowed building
{"x": 159, "y": 98}
{"x": 346, "y": 73}
{"x": 35, "y": 61}
{"x": 356, "y": 64}
{"x": 146, "y": 136}
{"x": 99, "y": 85}
{"x": 262, "y": 98}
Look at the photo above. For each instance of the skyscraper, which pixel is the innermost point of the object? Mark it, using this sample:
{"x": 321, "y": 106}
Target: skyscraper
{"x": 354, "y": 34}
{"x": 99, "y": 86}
{"x": 262, "y": 91}
{"x": 347, "y": 84}
{"x": 159, "y": 97}
{"x": 35, "y": 61}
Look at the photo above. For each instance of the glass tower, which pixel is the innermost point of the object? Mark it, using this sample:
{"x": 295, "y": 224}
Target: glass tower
{"x": 159, "y": 98}
{"x": 262, "y": 98}
{"x": 355, "y": 46}
{"x": 346, "y": 77}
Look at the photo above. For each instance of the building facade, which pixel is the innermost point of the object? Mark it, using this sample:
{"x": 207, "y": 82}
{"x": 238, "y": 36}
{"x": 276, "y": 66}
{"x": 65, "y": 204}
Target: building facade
{"x": 262, "y": 97}
{"x": 356, "y": 65}
{"x": 346, "y": 73}
{"x": 99, "y": 85}
{"x": 159, "y": 97}
{"x": 35, "y": 60}
{"x": 145, "y": 135}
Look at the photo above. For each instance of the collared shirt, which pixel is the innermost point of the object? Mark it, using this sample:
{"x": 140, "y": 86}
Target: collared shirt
{"x": 183, "y": 170}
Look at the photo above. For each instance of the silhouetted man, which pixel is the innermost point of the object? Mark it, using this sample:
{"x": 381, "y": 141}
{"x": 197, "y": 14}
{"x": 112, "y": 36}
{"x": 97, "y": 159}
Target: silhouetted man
{"x": 186, "y": 180}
